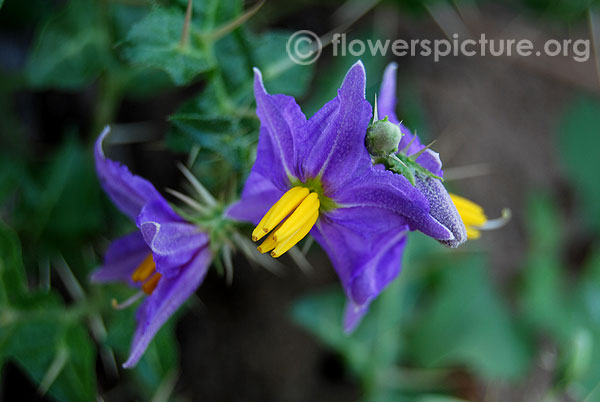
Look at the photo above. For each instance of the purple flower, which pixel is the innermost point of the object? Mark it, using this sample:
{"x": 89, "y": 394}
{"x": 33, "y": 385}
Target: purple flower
{"x": 167, "y": 258}
{"x": 319, "y": 174}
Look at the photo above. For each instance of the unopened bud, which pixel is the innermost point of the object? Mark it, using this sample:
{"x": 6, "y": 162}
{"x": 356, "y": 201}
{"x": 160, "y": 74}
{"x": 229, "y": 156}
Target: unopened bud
{"x": 383, "y": 138}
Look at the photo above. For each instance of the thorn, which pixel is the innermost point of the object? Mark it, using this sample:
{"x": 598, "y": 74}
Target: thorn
{"x": 227, "y": 262}
{"x": 395, "y": 157}
{"x": 230, "y": 26}
{"x": 188, "y": 201}
{"x": 417, "y": 154}
{"x": 185, "y": 32}
{"x": 56, "y": 367}
{"x": 375, "y": 114}
{"x": 200, "y": 189}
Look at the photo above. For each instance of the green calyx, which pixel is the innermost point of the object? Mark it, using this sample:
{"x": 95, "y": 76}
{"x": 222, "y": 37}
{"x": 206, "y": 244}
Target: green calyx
{"x": 315, "y": 185}
{"x": 406, "y": 166}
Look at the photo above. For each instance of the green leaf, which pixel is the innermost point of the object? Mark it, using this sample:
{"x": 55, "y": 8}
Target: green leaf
{"x": 544, "y": 300}
{"x": 578, "y": 134}
{"x": 467, "y": 323}
{"x": 280, "y": 73}
{"x": 37, "y": 332}
{"x": 154, "y": 42}
{"x": 72, "y": 48}
{"x": 12, "y": 274}
{"x": 375, "y": 344}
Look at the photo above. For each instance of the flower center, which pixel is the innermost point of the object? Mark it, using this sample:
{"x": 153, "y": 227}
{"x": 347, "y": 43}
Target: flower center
{"x": 301, "y": 207}
{"x": 146, "y": 274}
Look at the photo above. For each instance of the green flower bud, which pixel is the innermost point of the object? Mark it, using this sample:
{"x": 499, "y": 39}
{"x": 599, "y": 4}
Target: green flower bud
{"x": 383, "y": 138}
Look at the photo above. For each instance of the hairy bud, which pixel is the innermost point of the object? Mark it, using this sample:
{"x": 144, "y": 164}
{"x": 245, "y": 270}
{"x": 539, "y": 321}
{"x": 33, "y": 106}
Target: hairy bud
{"x": 383, "y": 138}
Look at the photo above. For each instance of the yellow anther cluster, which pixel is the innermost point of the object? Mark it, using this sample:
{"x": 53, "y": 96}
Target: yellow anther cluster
{"x": 289, "y": 220}
{"x": 146, "y": 274}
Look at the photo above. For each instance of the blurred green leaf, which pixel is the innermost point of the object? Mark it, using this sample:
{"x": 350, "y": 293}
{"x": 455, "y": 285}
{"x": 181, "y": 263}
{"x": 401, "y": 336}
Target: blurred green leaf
{"x": 581, "y": 363}
{"x": 579, "y": 133}
{"x": 36, "y": 331}
{"x": 280, "y": 73}
{"x": 12, "y": 274}
{"x": 544, "y": 299}
{"x": 567, "y": 10}
{"x": 467, "y": 323}
{"x": 373, "y": 346}
{"x": 331, "y": 76}
{"x": 71, "y": 49}
{"x": 154, "y": 42}
{"x": 59, "y": 207}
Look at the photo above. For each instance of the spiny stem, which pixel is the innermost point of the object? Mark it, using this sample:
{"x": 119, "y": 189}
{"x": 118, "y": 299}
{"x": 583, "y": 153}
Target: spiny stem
{"x": 230, "y": 26}
{"x": 185, "y": 32}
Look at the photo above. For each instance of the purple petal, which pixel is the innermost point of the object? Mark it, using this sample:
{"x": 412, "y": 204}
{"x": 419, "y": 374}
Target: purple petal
{"x": 172, "y": 241}
{"x": 386, "y": 106}
{"x": 386, "y": 100}
{"x": 338, "y": 145}
{"x": 393, "y": 193}
{"x": 442, "y": 208}
{"x": 353, "y": 315}
{"x": 122, "y": 258}
{"x": 258, "y": 196}
{"x": 368, "y": 283}
{"x": 365, "y": 264}
{"x": 282, "y": 123}
{"x": 168, "y": 296}
{"x": 126, "y": 190}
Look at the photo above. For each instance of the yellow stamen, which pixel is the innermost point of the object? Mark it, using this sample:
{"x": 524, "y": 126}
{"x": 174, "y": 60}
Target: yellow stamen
{"x": 301, "y": 215}
{"x": 473, "y": 233}
{"x": 282, "y": 208}
{"x": 471, "y": 214}
{"x": 149, "y": 286}
{"x": 283, "y": 246}
{"x": 289, "y": 220}
{"x": 267, "y": 245}
{"x": 144, "y": 270}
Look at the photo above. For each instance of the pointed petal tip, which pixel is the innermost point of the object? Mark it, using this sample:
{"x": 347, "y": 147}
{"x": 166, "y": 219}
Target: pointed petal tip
{"x": 391, "y": 67}
{"x": 355, "y": 81}
{"x": 258, "y": 80}
{"x": 353, "y": 316}
{"x": 357, "y": 68}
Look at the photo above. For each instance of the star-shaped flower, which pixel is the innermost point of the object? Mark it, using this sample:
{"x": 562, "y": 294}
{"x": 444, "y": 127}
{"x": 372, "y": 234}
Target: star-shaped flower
{"x": 316, "y": 176}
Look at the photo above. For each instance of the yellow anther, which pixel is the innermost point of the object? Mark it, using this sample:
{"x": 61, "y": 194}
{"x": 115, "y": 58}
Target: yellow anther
{"x": 464, "y": 204}
{"x": 473, "y": 233}
{"x": 149, "y": 286}
{"x": 144, "y": 270}
{"x": 267, "y": 245}
{"x": 289, "y": 220}
{"x": 282, "y": 208}
{"x": 283, "y": 246}
{"x": 304, "y": 212}
{"x": 471, "y": 214}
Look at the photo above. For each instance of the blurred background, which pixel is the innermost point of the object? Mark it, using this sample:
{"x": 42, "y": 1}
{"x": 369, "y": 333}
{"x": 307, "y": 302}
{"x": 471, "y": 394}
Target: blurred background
{"x": 514, "y": 316}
